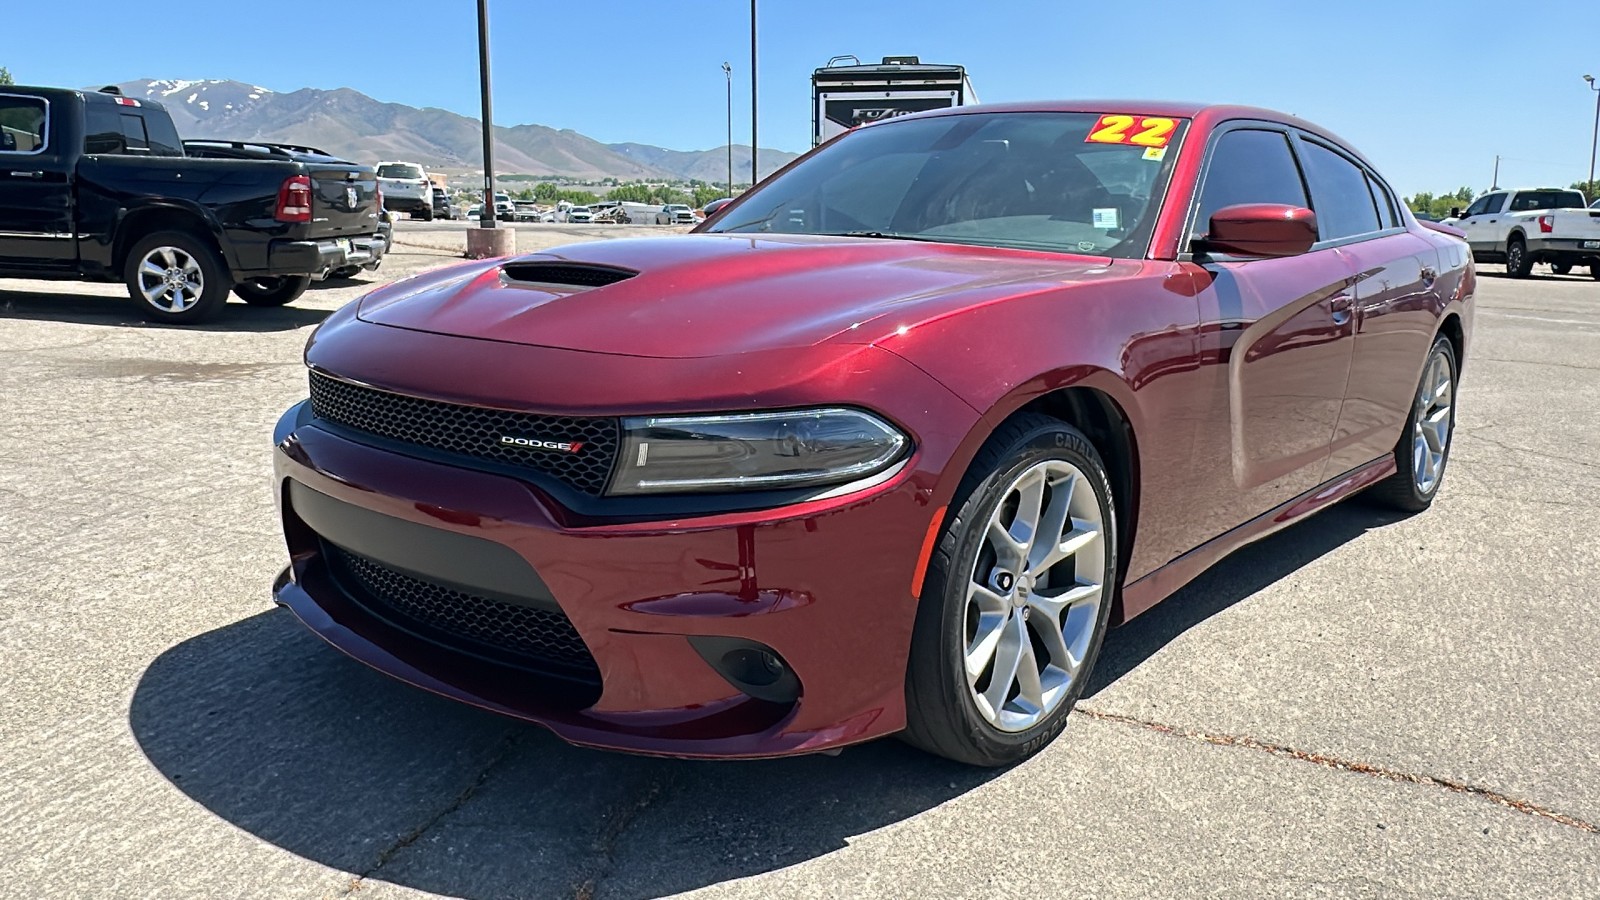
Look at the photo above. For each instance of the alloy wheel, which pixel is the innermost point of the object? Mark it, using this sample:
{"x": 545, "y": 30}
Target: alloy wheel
{"x": 170, "y": 279}
{"x": 1431, "y": 422}
{"x": 1034, "y": 595}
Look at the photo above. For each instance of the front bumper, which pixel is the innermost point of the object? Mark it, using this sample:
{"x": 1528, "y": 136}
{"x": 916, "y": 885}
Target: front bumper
{"x": 826, "y": 584}
{"x": 319, "y": 256}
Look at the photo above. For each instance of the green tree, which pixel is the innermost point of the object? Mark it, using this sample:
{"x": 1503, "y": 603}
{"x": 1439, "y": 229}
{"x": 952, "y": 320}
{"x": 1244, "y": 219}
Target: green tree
{"x": 1590, "y": 189}
{"x": 1440, "y": 204}
{"x": 632, "y": 193}
{"x": 5, "y": 76}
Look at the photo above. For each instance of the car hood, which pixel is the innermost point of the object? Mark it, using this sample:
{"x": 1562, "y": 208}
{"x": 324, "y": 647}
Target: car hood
{"x": 710, "y": 295}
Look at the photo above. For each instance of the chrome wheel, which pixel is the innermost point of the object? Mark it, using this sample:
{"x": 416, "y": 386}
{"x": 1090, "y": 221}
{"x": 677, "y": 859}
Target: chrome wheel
{"x": 170, "y": 279}
{"x": 1034, "y": 595}
{"x": 1431, "y": 421}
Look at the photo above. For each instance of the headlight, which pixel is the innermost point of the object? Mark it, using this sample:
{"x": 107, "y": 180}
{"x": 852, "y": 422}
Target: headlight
{"x": 753, "y": 452}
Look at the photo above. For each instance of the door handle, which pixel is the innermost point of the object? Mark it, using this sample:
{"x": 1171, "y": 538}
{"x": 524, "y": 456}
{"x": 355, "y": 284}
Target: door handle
{"x": 15, "y": 174}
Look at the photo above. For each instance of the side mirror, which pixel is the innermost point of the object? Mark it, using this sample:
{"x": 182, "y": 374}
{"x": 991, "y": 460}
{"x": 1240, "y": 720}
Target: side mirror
{"x": 1262, "y": 229}
{"x": 715, "y": 206}
{"x": 1455, "y": 212}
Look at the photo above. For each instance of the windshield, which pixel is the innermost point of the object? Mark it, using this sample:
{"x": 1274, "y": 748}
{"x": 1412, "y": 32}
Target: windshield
{"x": 1027, "y": 180}
{"x": 399, "y": 170}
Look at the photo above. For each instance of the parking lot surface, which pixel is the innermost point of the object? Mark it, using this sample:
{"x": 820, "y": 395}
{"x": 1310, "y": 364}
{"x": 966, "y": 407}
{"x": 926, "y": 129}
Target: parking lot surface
{"x": 1362, "y": 705}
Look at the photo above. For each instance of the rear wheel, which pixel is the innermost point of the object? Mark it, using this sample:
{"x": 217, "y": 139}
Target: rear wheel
{"x": 1016, "y": 600}
{"x": 272, "y": 291}
{"x": 1518, "y": 263}
{"x": 1561, "y": 268}
{"x": 425, "y": 215}
{"x": 176, "y": 277}
{"x": 1424, "y": 446}
{"x": 1594, "y": 272}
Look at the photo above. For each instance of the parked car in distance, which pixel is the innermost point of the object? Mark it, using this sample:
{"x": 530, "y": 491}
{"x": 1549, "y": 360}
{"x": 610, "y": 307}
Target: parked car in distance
{"x": 675, "y": 214}
{"x": 579, "y": 214}
{"x": 442, "y": 207}
{"x": 504, "y": 209}
{"x": 475, "y": 211}
{"x": 97, "y": 186}
{"x": 887, "y": 445}
{"x": 406, "y": 189}
{"x": 525, "y": 210}
{"x": 1533, "y": 225}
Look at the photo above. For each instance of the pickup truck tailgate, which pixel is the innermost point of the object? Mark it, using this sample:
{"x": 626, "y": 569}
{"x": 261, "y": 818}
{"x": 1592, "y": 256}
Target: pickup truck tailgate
{"x": 1580, "y": 224}
{"x": 344, "y": 200}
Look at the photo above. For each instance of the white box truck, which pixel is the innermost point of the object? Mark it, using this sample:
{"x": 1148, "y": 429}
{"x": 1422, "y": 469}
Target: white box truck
{"x": 844, "y": 96}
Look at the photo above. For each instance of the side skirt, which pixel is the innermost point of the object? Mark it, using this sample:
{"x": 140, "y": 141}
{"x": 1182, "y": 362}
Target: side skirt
{"x": 1163, "y": 582}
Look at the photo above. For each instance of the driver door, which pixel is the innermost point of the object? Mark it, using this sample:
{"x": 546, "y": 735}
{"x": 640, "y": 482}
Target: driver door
{"x": 1482, "y": 223}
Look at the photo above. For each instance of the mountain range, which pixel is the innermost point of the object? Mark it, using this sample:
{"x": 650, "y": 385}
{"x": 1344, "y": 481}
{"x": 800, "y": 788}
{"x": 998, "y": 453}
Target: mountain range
{"x": 350, "y": 124}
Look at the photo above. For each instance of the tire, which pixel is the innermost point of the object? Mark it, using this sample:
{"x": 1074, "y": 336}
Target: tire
{"x": 1594, "y": 272}
{"x": 176, "y": 261}
{"x": 1561, "y": 268}
{"x": 272, "y": 291}
{"x": 426, "y": 215}
{"x": 953, "y": 716}
{"x": 1410, "y": 489}
{"x": 1518, "y": 263}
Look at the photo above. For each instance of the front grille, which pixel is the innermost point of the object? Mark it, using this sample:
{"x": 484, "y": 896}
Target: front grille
{"x": 543, "y": 638}
{"x": 473, "y": 431}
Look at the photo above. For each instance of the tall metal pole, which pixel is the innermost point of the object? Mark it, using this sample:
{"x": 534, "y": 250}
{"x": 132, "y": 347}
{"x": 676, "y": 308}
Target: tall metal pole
{"x": 1594, "y": 139}
{"x": 486, "y": 217}
{"x": 727, "y": 72}
{"x": 754, "y": 176}
{"x": 1494, "y": 183}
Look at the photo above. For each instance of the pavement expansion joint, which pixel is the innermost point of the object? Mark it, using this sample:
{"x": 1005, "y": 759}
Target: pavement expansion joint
{"x": 502, "y": 750}
{"x": 1345, "y": 765}
{"x": 605, "y": 843}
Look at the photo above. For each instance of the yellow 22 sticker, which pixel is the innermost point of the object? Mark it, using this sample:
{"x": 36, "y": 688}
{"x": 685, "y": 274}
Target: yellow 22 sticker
{"x": 1140, "y": 131}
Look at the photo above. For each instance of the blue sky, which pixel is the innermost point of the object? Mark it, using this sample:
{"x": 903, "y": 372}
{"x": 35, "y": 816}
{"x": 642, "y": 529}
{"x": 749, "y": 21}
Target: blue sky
{"x": 1431, "y": 91}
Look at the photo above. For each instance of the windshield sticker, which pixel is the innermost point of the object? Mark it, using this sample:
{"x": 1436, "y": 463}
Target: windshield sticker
{"x": 1106, "y": 219}
{"x": 1139, "y": 131}
{"x": 1156, "y": 154}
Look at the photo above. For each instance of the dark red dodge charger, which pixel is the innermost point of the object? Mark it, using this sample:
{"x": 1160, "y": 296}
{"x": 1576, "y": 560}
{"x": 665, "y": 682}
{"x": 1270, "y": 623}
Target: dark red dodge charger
{"x": 886, "y": 444}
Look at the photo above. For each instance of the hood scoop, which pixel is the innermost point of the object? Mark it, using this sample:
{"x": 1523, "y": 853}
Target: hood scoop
{"x": 563, "y": 274}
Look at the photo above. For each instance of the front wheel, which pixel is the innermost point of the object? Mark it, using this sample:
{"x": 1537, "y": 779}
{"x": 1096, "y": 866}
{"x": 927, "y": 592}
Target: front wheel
{"x": 272, "y": 291}
{"x": 1424, "y": 446}
{"x": 176, "y": 278}
{"x": 1518, "y": 262}
{"x": 1016, "y": 599}
{"x": 1594, "y": 272}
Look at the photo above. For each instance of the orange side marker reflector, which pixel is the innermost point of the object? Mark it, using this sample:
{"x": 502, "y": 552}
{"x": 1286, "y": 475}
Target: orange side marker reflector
{"x": 927, "y": 551}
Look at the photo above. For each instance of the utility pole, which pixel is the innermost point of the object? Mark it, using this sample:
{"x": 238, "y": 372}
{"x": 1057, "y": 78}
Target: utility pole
{"x": 727, "y": 72}
{"x": 754, "y": 175}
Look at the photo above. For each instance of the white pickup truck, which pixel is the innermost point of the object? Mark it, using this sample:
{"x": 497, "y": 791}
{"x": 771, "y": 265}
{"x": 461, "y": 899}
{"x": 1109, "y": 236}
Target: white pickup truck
{"x": 1530, "y": 225}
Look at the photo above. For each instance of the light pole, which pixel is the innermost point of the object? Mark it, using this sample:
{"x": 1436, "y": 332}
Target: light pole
{"x": 1594, "y": 139}
{"x": 754, "y": 177}
{"x": 486, "y": 241}
{"x": 486, "y": 217}
{"x": 727, "y": 72}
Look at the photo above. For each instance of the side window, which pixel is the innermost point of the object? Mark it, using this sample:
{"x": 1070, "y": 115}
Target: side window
{"x": 1388, "y": 216}
{"x": 103, "y": 129}
{"x": 163, "y": 137}
{"x": 1249, "y": 166}
{"x": 22, "y": 124}
{"x": 1339, "y": 194}
{"x": 134, "y": 138}
{"x": 1488, "y": 203}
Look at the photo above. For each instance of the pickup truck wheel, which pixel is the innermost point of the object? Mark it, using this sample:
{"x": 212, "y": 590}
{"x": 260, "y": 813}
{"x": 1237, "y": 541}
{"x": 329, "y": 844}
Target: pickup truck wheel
{"x": 1518, "y": 263}
{"x": 1561, "y": 268}
{"x": 176, "y": 278}
{"x": 1594, "y": 272}
{"x": 272, "y": 291}
{"x": 426, "y": 215}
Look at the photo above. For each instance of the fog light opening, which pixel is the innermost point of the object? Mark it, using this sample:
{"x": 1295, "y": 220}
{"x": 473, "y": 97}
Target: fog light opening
{"x": 753, "y": 668}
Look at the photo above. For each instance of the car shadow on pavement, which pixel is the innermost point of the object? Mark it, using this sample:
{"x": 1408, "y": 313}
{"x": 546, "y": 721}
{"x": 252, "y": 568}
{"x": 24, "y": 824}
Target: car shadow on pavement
{"x": 1236, "y": 577}
{"x": 88, "y": 309}
{"x": 266, "y": 727}
{"x": 263, "y": 725}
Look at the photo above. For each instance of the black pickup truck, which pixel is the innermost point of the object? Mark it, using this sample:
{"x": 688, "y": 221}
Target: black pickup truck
{"x": 96, "y": 186}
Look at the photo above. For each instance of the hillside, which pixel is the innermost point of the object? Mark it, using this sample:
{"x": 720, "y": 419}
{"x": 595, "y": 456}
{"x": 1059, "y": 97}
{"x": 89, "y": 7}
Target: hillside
{"x": 350, "y": 124}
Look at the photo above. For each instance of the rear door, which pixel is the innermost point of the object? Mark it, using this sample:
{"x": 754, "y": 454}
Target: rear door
{"x": 1395, "y": 308}
{"x": 1281, "y": 329}
{"x": 36, "y": 226}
